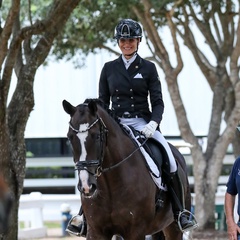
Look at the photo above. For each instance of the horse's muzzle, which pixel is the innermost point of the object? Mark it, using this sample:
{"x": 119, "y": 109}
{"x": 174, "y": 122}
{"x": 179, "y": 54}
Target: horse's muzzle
{"x": 88, "y": 191}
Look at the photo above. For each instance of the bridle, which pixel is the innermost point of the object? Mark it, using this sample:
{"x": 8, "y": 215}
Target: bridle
{"x": 97, "y": 163}
{"x": 84, "y": 165}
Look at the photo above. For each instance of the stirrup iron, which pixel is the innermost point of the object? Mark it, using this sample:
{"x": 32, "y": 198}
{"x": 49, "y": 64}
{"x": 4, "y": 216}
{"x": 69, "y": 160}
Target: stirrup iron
{"x": 74, "y": 224}
{"x": 191, "y": 217}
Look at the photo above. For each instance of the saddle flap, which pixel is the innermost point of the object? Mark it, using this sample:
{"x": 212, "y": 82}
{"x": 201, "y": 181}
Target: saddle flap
{"x": 154, "y": 148}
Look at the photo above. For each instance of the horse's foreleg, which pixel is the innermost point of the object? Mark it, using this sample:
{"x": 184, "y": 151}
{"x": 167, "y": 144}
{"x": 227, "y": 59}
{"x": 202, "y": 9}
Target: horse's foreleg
{"x": 172, "y": 232}
{"x": 98, "y": 236}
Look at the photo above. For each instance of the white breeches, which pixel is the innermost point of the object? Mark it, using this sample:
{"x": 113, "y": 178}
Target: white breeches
{"x": 138, "y": 124}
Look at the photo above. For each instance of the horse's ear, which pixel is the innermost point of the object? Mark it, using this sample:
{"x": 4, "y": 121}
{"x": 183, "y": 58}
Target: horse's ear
{"x": 92, "y": 107}
{"x": 68, "y": 108}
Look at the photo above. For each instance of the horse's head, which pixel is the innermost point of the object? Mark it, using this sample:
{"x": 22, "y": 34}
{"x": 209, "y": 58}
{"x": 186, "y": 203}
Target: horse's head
{"x": 87, "y": 135}
{"x": 5, "y": 205}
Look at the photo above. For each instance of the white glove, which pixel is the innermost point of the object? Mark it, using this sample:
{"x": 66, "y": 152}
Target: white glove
{"x": 149, "y": 129}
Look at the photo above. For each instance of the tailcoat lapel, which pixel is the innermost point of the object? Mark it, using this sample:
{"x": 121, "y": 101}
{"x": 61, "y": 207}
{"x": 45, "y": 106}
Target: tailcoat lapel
{"x": 121, "y": 68}
{"x": 135, "y": 66}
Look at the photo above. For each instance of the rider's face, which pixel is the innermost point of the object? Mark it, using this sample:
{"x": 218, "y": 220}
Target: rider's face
{"x": 128, "y": 46}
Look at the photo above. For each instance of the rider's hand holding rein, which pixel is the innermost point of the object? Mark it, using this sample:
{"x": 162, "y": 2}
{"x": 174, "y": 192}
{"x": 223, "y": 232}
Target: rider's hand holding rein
{"x": 149, "y": 129}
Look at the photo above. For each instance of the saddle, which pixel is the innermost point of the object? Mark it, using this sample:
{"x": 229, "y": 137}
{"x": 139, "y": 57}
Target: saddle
{"x": 159, "y": 155}
{"x": 154, "y": 148}
{"x": 157, "y": 152}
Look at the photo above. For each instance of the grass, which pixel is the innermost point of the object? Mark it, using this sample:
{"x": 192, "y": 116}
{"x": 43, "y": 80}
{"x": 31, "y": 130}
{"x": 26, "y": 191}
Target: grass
{"x": 53, "y": 224}
{"x": 49, "y": 224}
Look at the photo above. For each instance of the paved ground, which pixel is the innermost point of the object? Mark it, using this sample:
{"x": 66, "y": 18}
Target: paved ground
{"x": 56, "y": 233}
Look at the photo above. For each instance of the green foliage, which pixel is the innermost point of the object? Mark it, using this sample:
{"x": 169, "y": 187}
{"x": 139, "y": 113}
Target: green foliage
{"x": 30, "y": 11}
{"x": 92, "y": 23}
{"x": 91, "y": 26}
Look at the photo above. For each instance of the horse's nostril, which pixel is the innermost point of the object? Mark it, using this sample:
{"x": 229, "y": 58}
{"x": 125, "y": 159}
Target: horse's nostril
{"x": 86, "y": 191}
{"x": 93, "y": 187}
{"x": 89, "y": 191}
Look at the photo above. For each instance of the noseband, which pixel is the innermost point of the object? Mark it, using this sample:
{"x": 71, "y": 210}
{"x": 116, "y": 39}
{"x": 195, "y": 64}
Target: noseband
{"x": 84, "y": 165}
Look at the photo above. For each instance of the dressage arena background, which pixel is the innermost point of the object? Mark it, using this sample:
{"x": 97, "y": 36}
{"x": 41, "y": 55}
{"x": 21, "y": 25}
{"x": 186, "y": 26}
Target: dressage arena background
{"x": 36, "y": 209}
{"x": 75, "y": 85}
{"x": 47, "y": 145}
{"x": 55, "y": 233}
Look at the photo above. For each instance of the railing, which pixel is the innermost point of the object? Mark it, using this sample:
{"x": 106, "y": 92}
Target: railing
{"x": 36, "y": 208}
{"x": 51, "y": 182}
{"x": 72, "y": 181}
{"x": 30, "y": 213}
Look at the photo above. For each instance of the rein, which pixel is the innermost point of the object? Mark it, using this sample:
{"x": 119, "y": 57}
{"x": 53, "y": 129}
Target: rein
{"x": 103, "y": 170}
{"x": 83, "y": 165}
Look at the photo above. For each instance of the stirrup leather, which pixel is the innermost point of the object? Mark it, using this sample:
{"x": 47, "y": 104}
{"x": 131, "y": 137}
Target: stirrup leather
{"x": 191, "y": 218}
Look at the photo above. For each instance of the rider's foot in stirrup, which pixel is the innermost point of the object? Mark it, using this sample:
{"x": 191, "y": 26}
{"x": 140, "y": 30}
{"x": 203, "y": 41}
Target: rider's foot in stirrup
{"x": 186, "y": 221}
{"x": 76, "y": 227}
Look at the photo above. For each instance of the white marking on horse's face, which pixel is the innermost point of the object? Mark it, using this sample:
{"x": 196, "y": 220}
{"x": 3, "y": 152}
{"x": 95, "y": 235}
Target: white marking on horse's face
{"x": 82, "y": 138}
{"x": 83, "y": 175}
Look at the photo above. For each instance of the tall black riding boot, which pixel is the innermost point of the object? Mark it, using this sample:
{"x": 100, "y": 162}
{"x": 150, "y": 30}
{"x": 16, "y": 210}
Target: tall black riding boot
{"x": 181, "y": 215}
{"x": 77, "y": 226}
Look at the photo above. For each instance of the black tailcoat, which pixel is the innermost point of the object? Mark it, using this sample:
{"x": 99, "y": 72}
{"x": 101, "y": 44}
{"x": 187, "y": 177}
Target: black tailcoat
{"x": 128, "y": 89}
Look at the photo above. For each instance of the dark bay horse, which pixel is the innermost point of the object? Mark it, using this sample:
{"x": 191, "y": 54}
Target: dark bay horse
{"x": 5, "y": 205}
{"x": 117, "y": 190}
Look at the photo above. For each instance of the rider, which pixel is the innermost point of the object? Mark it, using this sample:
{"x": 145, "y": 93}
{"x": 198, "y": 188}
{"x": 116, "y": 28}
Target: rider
{"x": 127, "y": 82}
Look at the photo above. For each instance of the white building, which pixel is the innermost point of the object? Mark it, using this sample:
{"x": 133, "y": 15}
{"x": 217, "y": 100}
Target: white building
{"x": 60, "y": 81}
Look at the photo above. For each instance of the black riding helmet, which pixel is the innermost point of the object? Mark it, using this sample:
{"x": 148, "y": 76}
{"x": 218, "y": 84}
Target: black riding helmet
{"x": 128, "y": 28}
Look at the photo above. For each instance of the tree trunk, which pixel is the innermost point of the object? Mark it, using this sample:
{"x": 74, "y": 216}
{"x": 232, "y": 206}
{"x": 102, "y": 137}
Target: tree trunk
{"x": 205, "y": 193}
{"x": 236, "y": 144}
{"x": 13, "y": 119}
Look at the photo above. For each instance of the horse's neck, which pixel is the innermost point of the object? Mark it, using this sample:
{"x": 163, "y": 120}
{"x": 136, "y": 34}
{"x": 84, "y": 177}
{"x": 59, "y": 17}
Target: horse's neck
{"x": 120, "y": 147}
{"x": 119, "y": 144}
